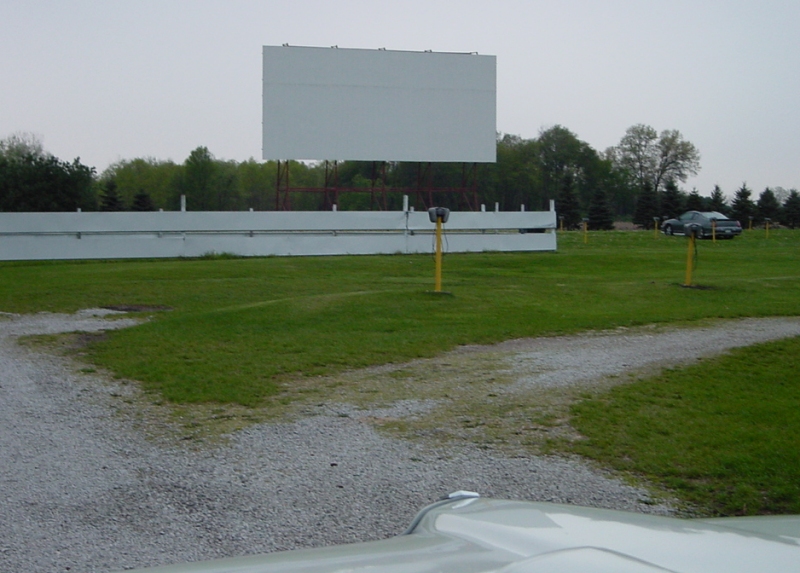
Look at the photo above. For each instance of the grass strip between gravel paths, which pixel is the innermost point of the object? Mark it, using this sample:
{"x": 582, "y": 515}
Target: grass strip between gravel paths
{"x": 724, "y": 433}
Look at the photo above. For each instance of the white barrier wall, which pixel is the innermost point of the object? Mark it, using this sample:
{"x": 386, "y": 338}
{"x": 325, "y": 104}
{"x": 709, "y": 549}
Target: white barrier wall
{"x": 36, "y": 236}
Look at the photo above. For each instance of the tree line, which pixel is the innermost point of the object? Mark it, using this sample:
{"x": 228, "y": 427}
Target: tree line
{"x": 637, "y": 180}
{"x": 774, "y": 205}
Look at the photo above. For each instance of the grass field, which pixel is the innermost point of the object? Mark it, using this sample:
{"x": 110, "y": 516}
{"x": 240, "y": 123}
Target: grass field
{"x": 241, "y": 331}
{"x": 240, "y": 325}
{"x": 724, "y": 433}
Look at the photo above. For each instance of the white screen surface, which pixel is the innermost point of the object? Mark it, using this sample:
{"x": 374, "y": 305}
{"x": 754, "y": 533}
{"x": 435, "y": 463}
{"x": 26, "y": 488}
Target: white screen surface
{"x": 382, "y": 105}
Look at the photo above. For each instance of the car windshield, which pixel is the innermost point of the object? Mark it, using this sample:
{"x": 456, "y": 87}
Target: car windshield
{"x": 714, "y": 215}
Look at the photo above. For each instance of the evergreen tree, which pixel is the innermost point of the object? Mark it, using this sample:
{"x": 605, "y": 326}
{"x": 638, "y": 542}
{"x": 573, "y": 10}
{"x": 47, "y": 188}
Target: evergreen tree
{"x": 694, "y": 202}
{"x": 142, "y": 202}
{"x": 567, "y": 204}
{"x": 110, "y": 199}
{"x": 791, "y": 210}
{"x": 742, "y": 207}
{"x": 600, "y": 216}
{"x": 718, "y": 202}
{"x": 768, "y": 206}
{"x": 45, "y": 184}
{"x": 671, "y": 200}
{"x": 646, "y": 207}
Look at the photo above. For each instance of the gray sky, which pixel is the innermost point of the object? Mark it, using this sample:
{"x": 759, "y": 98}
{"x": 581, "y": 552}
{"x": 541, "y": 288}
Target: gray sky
{"x": 118, "y": 79}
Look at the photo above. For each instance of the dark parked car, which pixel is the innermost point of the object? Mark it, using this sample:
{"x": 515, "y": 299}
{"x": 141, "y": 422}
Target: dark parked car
{"x": 706, "y": 221}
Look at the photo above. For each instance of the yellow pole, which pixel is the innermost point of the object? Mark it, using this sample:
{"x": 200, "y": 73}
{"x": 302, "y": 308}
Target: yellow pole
{"x": 714, "y": 230}
{"x": 688, "y": 282}
{"x": 438, "y": 281}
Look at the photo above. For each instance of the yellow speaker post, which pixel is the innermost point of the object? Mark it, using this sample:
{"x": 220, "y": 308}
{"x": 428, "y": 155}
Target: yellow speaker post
{"x": 438, "y": 279}
{"x": 689, "y": 253}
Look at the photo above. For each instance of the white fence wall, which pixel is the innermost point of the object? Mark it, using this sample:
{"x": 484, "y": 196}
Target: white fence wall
{"x": 34, "y": 236}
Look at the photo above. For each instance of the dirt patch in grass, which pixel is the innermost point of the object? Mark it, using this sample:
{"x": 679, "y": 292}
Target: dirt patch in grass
{"x": 517, "y": 396}
{"x": 470, "y": 395}
{"x": 66, "y": 344}
{"x": 137, "y": 308}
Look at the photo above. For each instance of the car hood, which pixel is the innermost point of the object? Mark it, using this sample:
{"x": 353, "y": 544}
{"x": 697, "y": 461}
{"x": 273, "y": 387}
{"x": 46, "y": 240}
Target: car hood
{"x": 484, "y": 535}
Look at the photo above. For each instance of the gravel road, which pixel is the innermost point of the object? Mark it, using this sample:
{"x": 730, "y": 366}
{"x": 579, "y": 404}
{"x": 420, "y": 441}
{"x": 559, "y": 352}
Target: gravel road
{"x": 83, "y": 490}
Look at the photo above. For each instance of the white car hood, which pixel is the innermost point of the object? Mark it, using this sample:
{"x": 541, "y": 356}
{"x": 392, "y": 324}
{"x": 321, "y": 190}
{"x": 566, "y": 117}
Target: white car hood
{"x": 483, "y": 535}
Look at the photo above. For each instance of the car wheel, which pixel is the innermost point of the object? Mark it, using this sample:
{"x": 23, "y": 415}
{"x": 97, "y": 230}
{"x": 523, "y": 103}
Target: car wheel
{"x": 668, "y": 230}
{"x": 700, "y": 232}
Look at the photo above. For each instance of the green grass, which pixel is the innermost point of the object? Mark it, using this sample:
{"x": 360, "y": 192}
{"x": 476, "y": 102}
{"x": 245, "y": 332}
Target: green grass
{"x": 724, "y": 434}
{"x": 240, "y": 328}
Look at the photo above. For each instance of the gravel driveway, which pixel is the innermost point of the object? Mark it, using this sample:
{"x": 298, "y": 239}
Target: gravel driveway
{"x": 84, "y": 490}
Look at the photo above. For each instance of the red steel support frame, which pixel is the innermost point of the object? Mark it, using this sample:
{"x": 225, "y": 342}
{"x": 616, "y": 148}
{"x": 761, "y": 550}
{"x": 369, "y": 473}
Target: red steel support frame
{"x": 469, "y": 183}
{"x": 378, "y": 175}
{"x": 424, "y": 191}
{"x": 282, "y": 188}
{"x": 425, "y": 184}
{"x": 468, "y": 190}
{"x": 331, "y": 185}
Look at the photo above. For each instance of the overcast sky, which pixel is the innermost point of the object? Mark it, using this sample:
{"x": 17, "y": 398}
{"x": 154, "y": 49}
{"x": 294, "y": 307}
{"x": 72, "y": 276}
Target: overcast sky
{"x": 106, "y": 80}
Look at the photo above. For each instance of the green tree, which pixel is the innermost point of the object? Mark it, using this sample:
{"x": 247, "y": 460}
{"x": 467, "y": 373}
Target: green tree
{"x": 647, "y": 207}
{"x": 302, "y": 176}
{"x": 199, "y": 176}
{"x": 21, "y": 145}
{"x": 677, "y": 158}
{"x": 226, "y": 188}
{"x": 45, "y": 183}
{"x": 109, "y": 198}
{"x": 791, "y": 210}
{"x": 621, "y": 194}
{"x": 635, "y": 155}
{"x": 780, "y": 193}
{"x": 161, "y": 180}
{"x": 742, "y": 207}
{"x": 768, "y": 206}
{"x": 559, "y": 155}
{"x": 142, "y": 202}
{"x": 31, "y": 179}
{"x": 257, "y": 184}
{"x": 694, "y": 202}
{"x": 567, "y": 205}
{"x": 718, "y": 202}
{"x": 358, "y": 201}
{"x": 515, "y": 179}
{"x": 646, "y": 156}
{"x": 672, "y": 203}
{"x": 372, "y": 178}
{"x": 600, "y": 216}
